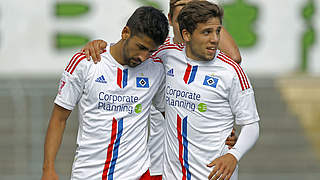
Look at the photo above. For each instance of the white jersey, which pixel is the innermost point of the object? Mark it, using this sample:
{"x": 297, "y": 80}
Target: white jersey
{"x": 156, "y": 136}
{"x": 114, "y": 104}
{"x": 203, "y": 100}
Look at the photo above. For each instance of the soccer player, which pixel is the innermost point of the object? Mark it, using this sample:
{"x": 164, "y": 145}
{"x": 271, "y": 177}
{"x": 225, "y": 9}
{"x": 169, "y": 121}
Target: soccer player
{"x": 206, "y": 93}
{"x": 114, "y": 99}
{"x": 155, "y": 142}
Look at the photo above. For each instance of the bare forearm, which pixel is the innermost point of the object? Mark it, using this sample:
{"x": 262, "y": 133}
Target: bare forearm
{"x": 53, "y": 138}
{"x": 229, "y": 46}
{"x": 52, "y": 143}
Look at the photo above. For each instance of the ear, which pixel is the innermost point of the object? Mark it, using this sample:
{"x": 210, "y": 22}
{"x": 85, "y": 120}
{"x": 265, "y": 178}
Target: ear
{"x": 126, "y": 33}
{"x": 186, "y": 35}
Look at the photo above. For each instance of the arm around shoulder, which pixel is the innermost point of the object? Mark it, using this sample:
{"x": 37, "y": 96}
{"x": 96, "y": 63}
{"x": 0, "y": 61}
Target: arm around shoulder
{"x": 229, "y": 46}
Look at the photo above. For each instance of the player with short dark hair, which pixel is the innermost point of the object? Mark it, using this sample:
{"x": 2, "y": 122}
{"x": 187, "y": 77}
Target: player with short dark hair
{"x": 114, "y": 99}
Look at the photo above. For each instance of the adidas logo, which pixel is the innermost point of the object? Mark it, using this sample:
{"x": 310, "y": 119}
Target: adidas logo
{"x": 101, "y": 79}
{"x": 170, "y": 72}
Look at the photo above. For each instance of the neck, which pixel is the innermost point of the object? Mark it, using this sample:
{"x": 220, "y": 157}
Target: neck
{"x": 189, "y": 53}
{"x": 116, "y": 52}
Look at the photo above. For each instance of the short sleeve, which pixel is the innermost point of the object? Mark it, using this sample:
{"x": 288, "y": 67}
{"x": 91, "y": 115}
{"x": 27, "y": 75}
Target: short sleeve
{"x": 71, "y": 83}
{"x": 242, "y": 101}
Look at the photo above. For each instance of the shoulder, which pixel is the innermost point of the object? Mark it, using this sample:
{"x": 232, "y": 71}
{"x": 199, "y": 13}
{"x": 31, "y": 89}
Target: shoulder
{"x": 225, "y": 61}
{"x": 152, "y": 65}
{"x": 236, "y": 70}
{"x": 168, "y": 47}
{"x": 77, "y": 64}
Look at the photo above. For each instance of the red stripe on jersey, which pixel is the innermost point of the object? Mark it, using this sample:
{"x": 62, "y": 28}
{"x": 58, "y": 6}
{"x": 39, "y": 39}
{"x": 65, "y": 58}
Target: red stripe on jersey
{"x": 167, "y": 41}
{"x": 74, "y": 67}
{"x": 187, "y": 74}
{"x": 219, "y": 57}
{"x": 170, "y": 46}
{"x": 119, "y": 77}
{"x": 181, "y": 45}
{"x": 157, "y": 59}
{"x": 180, "y": 147}
{"x": 77, "y": 54}
{"x": 244, "y": 77}
{"x": 110, "y": 148}
{"x": 72, "y": 62}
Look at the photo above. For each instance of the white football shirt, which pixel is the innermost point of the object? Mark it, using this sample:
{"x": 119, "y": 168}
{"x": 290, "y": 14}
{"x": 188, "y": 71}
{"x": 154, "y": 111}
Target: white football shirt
{"x": 114, "y": 104}
{"x": 203, "y": 100}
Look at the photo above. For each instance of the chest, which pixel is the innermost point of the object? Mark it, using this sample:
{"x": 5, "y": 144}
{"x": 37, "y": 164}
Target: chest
{"x": 207, "y": 81}
{"x": 117, "y": 85}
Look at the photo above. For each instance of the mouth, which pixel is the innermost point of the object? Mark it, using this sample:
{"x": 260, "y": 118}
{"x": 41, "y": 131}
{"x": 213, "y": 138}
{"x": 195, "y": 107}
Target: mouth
{"x": 211, "y": 50}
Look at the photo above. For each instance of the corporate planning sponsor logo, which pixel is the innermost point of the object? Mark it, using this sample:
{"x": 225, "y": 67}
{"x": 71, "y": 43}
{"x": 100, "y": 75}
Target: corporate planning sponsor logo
{"x": 202, "y": 107}
{"x": 182, "y": 98}
{"x": 118, "y": 103}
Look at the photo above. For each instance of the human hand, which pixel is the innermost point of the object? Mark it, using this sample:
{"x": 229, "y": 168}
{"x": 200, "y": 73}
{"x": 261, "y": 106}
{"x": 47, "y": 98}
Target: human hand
{"x": 224, "y": 167}
{"x": 49, "y": 175}
{"x": 94, "y": 49}
{"x": 232, "y": 139}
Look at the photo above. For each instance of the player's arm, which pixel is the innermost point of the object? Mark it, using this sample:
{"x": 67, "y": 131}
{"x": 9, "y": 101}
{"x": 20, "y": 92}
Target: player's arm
{"x": 242, "y": 104}
{"x": 71, "y": 88}
{"x": 53, "y": 141}
{"x": 229, "y": 46}
{"x": 94, "y": 49}
{"x": 225, "y": 165}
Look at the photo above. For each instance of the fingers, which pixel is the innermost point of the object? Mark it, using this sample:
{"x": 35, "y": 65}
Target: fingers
{"x": 212, "y": 163}
{"x": 228, "y": 176}
{"x": 224, "y": 175}
{"x": 86, "y": 52}
{"x": 93, "y": 54}
{"x": 93, "y": 49}
{"x": 213, "y": 172}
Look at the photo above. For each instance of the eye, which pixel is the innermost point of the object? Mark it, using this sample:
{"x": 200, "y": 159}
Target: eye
{"x": 206, "y": 32}
{"x": 141, "y": 47}
{"x": 218, "y": 30}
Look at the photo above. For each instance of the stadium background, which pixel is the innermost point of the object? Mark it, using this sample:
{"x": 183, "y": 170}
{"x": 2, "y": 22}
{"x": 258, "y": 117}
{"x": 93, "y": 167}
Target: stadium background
{"x": 280, "y": 47}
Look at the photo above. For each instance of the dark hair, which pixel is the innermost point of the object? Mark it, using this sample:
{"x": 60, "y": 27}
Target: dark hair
{"x": 149, "y": 21}
{"x": 198, "y": 12}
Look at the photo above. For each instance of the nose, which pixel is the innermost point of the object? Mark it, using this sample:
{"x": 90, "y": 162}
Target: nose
{"x": 214, "y": 38}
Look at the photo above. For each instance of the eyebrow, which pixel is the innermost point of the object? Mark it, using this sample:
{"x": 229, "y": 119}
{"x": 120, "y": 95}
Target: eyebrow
{"x": 144, "y": 47}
